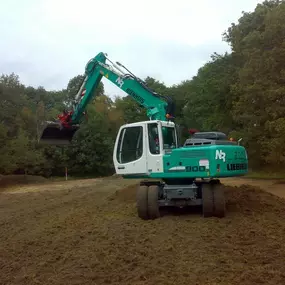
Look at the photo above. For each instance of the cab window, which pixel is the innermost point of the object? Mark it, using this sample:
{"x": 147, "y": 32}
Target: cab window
{"x": 130, "y": 145}
{"x": 169, "y": 138}
{"x": 153, "y": 138}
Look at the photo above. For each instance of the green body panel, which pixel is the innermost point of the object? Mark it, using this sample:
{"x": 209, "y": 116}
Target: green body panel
{"x": 206, "y": 161}
{"x": 202, "y": 162}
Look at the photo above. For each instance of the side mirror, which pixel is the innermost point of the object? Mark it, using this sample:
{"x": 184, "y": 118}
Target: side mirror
{"x": 239, "y": 140}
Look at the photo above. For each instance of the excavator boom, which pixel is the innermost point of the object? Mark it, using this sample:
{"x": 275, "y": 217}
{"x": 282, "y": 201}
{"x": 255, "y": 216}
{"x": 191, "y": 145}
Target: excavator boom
{"x": 63, "y": 129}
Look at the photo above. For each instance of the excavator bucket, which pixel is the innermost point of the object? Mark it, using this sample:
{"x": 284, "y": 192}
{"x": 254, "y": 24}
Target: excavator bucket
{"x": 55, "y": 134}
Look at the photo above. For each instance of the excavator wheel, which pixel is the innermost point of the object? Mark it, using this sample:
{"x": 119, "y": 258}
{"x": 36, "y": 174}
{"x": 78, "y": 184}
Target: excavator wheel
{"x": 219, "y": 201}
{"x": 152, "y": 203}
{"x": 142, "y": 206}
{"x": 207, "y": 200}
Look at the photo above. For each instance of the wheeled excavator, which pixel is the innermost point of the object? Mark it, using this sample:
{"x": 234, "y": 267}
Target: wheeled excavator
{"x": 170, "y": 174}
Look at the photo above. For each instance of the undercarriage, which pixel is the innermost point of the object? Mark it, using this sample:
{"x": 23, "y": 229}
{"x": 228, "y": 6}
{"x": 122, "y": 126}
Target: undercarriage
{"x": 153, "y": 195}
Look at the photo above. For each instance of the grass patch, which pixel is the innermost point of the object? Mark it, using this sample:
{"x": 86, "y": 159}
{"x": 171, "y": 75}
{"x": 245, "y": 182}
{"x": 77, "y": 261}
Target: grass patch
{"x": 13, "y": 180}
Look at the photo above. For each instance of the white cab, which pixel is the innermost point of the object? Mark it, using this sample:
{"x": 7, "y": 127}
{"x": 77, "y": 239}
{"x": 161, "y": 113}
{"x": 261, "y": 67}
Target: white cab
{"x": 139, "y": 147}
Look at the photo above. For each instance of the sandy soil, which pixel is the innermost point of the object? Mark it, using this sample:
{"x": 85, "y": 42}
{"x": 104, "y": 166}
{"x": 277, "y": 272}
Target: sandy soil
{"x": 276, "y": 187}
{"x": 87, "y": 232}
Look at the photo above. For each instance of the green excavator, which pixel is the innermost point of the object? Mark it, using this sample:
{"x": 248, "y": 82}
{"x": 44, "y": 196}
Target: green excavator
{"x": 170, "y": 174}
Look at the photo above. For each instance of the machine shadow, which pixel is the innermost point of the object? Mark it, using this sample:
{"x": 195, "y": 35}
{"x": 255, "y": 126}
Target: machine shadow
{"x": 185, "y": 211}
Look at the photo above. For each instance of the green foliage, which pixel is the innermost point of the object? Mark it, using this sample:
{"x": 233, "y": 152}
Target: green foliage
{"x": 240, "y": 93}
{"x": 210, "y": 101}
{"x": 259, "y": 105}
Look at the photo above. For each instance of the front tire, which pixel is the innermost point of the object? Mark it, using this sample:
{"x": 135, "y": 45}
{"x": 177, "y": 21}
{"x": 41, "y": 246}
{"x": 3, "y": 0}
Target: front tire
{"x": 152, "y": 202}
{"x": 142, "y": 204}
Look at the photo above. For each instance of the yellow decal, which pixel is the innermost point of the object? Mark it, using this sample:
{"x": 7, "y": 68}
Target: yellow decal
{"x": 107, "y": 75}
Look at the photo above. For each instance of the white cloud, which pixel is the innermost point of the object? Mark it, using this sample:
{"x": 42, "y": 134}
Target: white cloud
{"x": 47, "y": 42}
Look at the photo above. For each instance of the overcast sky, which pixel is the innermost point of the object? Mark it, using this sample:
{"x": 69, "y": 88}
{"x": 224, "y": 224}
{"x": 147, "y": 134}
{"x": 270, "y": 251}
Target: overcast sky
{"x": 47, "y": 42}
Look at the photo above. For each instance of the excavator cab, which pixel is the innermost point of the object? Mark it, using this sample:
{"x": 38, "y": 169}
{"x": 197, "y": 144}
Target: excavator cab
{"x": 57, "y": 133}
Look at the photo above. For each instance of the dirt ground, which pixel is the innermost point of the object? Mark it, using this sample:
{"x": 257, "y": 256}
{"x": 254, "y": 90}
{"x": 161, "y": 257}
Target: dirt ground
{"x": 88, "y": 232}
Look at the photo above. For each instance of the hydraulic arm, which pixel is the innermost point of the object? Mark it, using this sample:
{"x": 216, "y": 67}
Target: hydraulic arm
{"x": 158, "y": 107}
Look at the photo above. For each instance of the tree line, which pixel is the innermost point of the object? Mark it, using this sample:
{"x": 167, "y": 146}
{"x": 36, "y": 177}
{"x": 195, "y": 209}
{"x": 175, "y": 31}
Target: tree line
{"x": 240, "y": 93}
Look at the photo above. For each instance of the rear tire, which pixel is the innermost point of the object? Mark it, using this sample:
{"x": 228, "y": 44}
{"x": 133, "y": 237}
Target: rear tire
{"x": 152, "y": 202}
{"x": 219, "y": 201}
{"x": 142, "y": 205}
{"x": 207, "y": 200}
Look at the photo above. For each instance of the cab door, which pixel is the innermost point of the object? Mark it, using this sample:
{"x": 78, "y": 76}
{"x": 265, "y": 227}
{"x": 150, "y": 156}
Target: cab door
{"x": 154, "y": 148}
{"x": 129, "y": 155}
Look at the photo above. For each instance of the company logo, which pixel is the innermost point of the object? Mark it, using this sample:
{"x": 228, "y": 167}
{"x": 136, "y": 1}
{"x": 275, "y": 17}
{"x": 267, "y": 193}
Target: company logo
{"x": 135, "y": 96}
{"x": 120, "y": 81}
{"x": 236, "y": 166}
{"x": 221, "y": 155}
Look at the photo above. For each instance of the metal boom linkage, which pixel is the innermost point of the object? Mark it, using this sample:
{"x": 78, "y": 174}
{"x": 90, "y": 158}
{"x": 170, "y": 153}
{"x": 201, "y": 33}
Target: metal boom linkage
{"x": 158, "y": 107}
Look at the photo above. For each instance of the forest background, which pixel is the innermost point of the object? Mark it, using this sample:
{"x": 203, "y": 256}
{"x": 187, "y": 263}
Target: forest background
{"x": 240, "y": 93}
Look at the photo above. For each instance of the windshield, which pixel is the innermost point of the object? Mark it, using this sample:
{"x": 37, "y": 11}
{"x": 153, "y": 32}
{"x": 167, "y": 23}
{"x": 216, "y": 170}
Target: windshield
{"x": 169, "y": 137}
